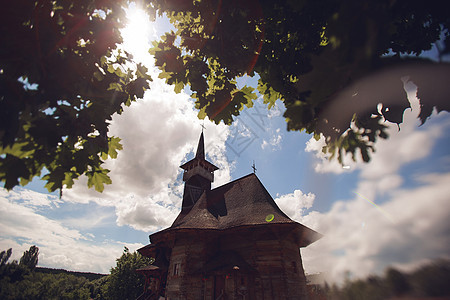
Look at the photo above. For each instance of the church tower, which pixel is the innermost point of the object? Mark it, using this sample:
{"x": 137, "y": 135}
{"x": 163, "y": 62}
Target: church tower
{"x": 198, "y": 176}
{"x": 231, "y": 242}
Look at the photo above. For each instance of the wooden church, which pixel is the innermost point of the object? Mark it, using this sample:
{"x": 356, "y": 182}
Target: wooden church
{"x": 231, "y": 242}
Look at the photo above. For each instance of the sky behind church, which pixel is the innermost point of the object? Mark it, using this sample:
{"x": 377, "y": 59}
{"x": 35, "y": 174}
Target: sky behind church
{"x": 393, "y": 210}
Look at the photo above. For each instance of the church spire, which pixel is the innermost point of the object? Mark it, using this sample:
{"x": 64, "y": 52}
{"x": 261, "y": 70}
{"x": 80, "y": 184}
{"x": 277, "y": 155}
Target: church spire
{"x": 201, "y": 148}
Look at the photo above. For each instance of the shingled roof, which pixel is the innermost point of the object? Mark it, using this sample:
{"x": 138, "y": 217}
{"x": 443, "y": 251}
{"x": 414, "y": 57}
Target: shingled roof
{"x": 242, "y": 202}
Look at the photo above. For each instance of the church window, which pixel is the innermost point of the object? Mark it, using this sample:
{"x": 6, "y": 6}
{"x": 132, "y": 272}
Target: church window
{"x": 176, "y": 269}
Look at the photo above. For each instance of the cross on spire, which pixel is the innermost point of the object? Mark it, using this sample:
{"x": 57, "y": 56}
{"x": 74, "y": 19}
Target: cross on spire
{"x": 254, "y": 167}
{"x": 203, "y": 126}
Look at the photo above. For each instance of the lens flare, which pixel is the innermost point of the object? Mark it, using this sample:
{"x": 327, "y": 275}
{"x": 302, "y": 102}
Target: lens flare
{"x": 377, "y": 207}
{"x": 270, "y": 217}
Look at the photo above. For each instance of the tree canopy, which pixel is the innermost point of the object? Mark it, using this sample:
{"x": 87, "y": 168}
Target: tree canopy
{"x": 30, "y": 258}
{"x": 24, "y": 281}
{"x": 16, "y": 271}
{"x": 62, "y": 77}
{"x": 331, "y": 63}
{"x": 124, "y": 282}
{"x": 429, "y": 280}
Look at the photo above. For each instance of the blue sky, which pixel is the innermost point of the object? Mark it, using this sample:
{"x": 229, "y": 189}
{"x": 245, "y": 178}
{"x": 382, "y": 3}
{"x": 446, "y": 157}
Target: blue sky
{"x": 391, "y": 211}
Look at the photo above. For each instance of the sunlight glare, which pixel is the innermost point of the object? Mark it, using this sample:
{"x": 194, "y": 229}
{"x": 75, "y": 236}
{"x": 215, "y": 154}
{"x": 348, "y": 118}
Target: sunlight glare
{"x": 137, "y": 34}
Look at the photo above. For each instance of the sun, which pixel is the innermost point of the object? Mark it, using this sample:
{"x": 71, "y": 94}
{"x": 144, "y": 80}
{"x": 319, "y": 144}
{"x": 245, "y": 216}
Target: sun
{"x": 138, "y": 33}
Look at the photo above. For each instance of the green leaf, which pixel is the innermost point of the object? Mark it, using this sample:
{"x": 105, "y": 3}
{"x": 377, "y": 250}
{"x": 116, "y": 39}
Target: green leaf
{"x": 103, "y": 60}
{"x": 249, "y": 94}
{"x": 54, "y": 179}
{"x": 178, "y": 87}
{"x": 98, "y": 178}
{"x": 114, "y": 146}
{"x": 15, "y": 169}
{"x": 19, "y": 150}
{"x": 270, "y": 96}
{"x": 68, "y": 179}
{"x": 202, "y": 113}
{"x": 119, "y": 72}
{"x": 114, "y": 86}
{"x": 111, "y": 68}
{"x": 166, "y": 75}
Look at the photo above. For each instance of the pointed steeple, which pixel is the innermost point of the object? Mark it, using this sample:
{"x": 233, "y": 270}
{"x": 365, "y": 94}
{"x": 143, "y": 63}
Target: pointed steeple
{"x": 198, "y": 175}
{"x": 200, "y": 154}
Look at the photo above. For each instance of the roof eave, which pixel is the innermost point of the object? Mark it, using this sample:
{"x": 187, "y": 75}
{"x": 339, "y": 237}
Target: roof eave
{"x": 186, "y": 164}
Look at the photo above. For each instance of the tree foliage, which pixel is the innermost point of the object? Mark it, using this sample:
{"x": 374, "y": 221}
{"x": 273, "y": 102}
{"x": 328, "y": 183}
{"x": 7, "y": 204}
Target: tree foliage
{"x": 330, "y": 62}
{"x": 30, "y": 258}
{"x": 62, "y": 77}
{"x": 397, "y": 282}
{"x": 430, "y": 280}
{"x": 15, "y": 271}
{"x": 24, "y": 281}
{"x": 38, "y": 285}
{"x": 124, "y": 282}
{"x": 4, "y": 257}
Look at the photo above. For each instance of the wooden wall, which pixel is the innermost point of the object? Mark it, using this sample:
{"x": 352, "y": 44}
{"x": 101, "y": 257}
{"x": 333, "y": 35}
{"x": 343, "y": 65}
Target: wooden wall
{"x": 275, "y": 259}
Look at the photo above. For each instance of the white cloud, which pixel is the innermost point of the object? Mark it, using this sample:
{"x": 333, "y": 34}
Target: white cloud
{"x": 409, "y": 226}
{"x": 276, "y": 110}
{"x": 157, "y": 134}
{"x": 264, "y": 144}
{"x": 295, "y": 204}
{"x": 30, "y": 198}
{"x": 275, "y": 141}
{"x": 410, "y": 144}
{"x": 22, "y": 221}
{"x": 90, "y": 218}
{"x": 60, "y": 246}
{"x": 148, "y": 214}
{"x": 324, "y": 165}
